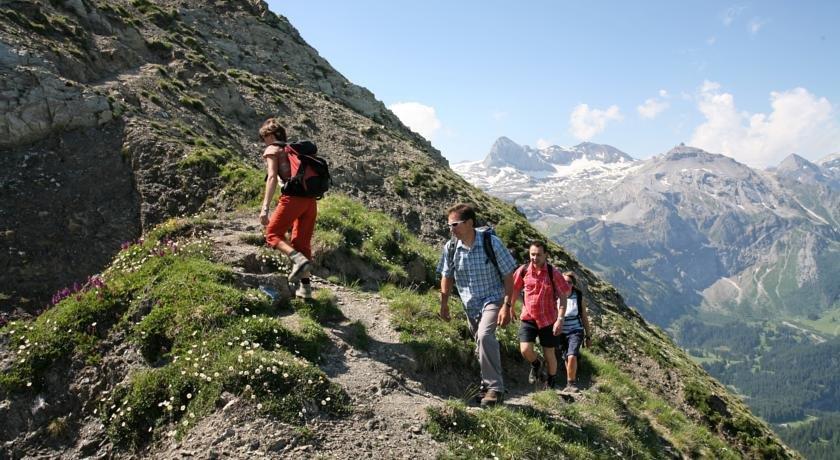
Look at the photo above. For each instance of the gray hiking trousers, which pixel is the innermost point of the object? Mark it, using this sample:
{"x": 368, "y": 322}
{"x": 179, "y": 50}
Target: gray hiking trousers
{"x": 483, "y": 330}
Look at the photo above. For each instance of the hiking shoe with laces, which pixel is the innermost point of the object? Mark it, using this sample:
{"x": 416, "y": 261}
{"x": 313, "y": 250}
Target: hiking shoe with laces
{"x": 491, "y": 398}
{"x": 571, "y": 387}
{"x": 304, "y": 291}
{"x": 299, "y": 268}
{"x": 535, "y": 375}
{"x": 482, "y": 390}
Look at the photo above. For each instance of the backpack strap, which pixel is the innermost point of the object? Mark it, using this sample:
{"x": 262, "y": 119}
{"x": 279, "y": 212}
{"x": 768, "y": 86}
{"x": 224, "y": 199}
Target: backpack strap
{"x": 490, "y": 252}
{"x": 451, "y": 246}
{"x": 551, "y": 281}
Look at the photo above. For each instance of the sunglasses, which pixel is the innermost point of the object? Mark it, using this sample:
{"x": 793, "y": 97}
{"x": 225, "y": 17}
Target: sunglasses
{"x": 454, "y": 224}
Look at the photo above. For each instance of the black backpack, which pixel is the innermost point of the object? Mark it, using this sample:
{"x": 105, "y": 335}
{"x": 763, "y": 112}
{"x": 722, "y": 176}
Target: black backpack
{"x": 486, "y": 232}
{"x": 312, "y": 177}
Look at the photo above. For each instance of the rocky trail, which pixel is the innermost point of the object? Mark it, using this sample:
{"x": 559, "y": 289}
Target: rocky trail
{"x": 389, "y": 394}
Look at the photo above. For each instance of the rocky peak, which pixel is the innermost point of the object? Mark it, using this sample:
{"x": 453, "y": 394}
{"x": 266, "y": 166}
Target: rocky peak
{"x": 683, "y": 151}
{"x": 506, "y": 152}
{"x": 794, "y": 162}
{"x": 602, "y": 152}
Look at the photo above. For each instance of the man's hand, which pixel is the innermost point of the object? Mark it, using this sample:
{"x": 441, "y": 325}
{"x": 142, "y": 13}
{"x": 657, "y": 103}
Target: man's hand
{"x": 558, "y": 326}
{"x": 444, "y": 312}
{"x": 504, "y": 316}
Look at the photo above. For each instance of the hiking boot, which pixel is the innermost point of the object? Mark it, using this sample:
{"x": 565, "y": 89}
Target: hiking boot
{"x": 571, "y": 387}
{"x": 491, "y": 398}
{"x": 535, "y": 375}
{"x": 299, "y": 268}
{"x": 304, "y": 291}
{"x": 551, "y": 382}
{"x": 482, "y": 390}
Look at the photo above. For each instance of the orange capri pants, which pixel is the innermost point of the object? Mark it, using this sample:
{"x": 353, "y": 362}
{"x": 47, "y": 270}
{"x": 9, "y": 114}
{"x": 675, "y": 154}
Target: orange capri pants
{"x": 297, "y": 213}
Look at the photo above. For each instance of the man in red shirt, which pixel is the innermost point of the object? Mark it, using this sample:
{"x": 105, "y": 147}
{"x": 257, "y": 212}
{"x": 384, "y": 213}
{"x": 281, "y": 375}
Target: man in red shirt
{"x": 542, "y": 311}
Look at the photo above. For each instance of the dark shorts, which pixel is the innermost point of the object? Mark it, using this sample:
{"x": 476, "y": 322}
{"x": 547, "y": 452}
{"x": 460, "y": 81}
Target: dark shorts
{"x": 569, "y": 344}
{"x": 528, "y": 332}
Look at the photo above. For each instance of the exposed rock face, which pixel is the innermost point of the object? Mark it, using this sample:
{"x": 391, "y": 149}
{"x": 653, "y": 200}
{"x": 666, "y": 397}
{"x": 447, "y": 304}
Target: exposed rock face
{"x": 106, "y": 104}
{"x": 507, "y": 153}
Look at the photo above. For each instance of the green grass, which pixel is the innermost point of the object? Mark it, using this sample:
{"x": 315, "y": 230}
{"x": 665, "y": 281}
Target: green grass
{"x": 345, "y": 225}
{"x": 616, "y": 419}
{"x": 243, "y": 184}
{"x": 321, "y": 308}
{"x": 201, "y": 336}
{"x": 436, "y": 344}
{"x": 191, "y": 102}
{"x": 207, "y": 161}
{"x": 439, "y": 344}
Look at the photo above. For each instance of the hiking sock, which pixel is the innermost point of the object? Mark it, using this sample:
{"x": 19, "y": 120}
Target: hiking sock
{"x": 552, "y": 380}
{"x": 297, "y": 257}
{"x": 534, "y": 375}
{"x": 304, "y": 281}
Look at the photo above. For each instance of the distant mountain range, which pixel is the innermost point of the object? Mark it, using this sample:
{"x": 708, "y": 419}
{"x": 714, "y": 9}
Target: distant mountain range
{"x": 685, "y": 232}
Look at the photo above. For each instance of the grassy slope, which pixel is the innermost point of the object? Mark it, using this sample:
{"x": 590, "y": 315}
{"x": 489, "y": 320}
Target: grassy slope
{"x": 200, "y": 336}
{"x": 198, "y": 333}
{"x": 621, "y": 338}
{"x": 408, "y": 179}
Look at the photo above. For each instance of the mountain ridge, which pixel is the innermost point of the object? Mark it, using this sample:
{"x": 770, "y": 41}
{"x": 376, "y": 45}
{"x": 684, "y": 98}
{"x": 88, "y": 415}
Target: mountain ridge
{"x": 171, "y": 331}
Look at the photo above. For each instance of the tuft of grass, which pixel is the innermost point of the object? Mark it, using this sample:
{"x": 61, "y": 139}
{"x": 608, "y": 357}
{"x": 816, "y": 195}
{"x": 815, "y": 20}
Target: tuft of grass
{"x": 321, "y": 308}
{"x": 244, "y": 184}
{"x": 207, "y": 161}
{"x": 191, "y": 102}
{"x": 160, "y": 46}
{"x": 375, "y": 238}
{"x": 436, "y": 344}
{"x": 58, "y": 428}
{"x": 254, "y": 239}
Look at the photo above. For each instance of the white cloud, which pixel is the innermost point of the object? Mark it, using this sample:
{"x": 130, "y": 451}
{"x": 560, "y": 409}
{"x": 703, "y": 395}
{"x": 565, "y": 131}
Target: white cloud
{"x": 421, "y": 118}
{"x": 652, "y": 107}
{"x": 799, "y": 123}
{"x": 586, "y": 123}
{"x": 731, "y": 13}
{"x": 543, "y": 144}
{"x": 755, "y": 25}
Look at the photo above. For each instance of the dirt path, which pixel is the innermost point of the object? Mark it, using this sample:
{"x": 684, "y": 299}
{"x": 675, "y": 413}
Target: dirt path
{"x": 389, "y": 395}
{"x": 388, "y": 403}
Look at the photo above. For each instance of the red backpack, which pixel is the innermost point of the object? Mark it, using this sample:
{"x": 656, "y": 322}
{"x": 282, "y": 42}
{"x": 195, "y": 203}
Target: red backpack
{"x": 310, "y": 173}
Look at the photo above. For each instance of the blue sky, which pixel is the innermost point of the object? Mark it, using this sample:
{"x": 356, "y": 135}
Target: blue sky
{"x": 753, "y": 80}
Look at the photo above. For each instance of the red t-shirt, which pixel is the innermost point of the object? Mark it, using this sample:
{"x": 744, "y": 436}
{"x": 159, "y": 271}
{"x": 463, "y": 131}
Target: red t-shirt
{"x": 540, "y": 303}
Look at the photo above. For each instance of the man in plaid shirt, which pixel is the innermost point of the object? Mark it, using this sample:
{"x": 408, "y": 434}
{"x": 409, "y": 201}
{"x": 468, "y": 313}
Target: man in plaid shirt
{"x": 542, "y": 312}
{"x": 485, "y": 292}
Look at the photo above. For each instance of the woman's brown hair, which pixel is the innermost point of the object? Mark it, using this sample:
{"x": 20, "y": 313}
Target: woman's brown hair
{"x": 273, "y": 126}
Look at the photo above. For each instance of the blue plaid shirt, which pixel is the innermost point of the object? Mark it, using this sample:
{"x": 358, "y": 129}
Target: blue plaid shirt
{"x": 475, "y": 276}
